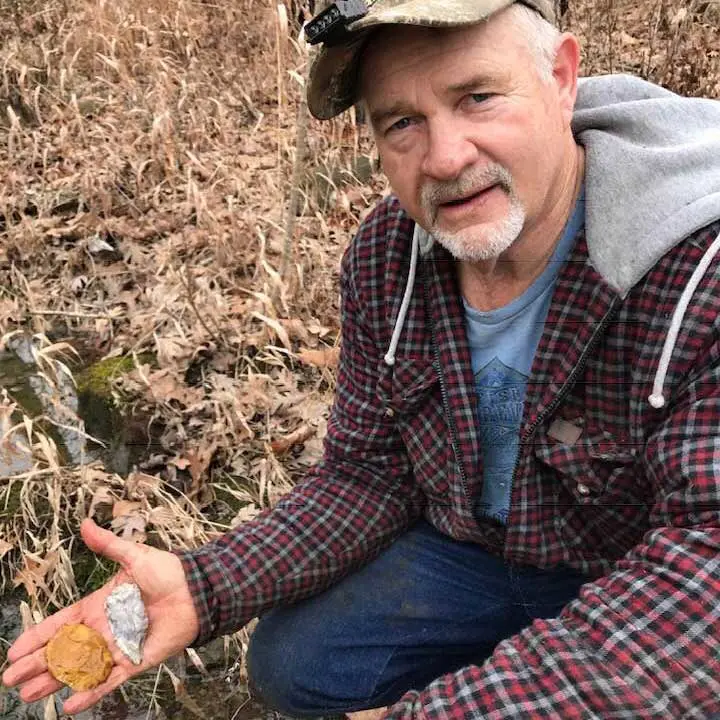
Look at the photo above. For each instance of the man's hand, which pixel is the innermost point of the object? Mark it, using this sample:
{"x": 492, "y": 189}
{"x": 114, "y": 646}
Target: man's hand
{"x": 173, "y": 622}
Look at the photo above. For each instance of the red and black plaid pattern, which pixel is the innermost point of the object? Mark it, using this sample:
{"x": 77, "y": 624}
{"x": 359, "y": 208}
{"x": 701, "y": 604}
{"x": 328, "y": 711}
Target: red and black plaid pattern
{"x": 634, "y": 502}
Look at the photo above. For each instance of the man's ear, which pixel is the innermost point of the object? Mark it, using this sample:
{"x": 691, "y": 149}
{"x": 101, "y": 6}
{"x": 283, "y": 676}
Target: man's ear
{"x": 565, "y": 73}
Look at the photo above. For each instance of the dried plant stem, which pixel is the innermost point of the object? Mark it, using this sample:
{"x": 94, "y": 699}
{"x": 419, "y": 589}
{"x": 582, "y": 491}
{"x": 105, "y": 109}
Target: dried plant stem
{"x": 301, "y": 142}
{"x": 189, "y": 281}
{"x": 69, "y": 313}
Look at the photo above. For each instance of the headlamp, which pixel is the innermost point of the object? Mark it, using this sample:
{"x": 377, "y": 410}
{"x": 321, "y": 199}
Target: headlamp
{"x": 330, "y": 26}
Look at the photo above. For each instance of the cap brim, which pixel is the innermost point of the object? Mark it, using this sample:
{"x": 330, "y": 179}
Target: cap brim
{"x": 332, "y": 84}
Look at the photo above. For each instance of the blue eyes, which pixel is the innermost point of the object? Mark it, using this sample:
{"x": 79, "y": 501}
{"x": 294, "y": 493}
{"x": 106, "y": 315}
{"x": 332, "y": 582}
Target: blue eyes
{"x": 401, "y": 124}
{"x": 472, "y": 99}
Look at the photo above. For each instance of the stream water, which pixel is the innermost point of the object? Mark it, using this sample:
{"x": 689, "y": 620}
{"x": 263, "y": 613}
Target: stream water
{"x": 217, "y": 695}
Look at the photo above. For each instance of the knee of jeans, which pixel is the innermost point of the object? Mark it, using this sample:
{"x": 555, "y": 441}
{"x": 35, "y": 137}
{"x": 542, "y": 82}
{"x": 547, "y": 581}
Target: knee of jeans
{"x": 300, "y": 670}
{"x": 279, "y": 663}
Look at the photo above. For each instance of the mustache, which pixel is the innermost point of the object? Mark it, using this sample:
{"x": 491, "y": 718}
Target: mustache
{"x": 471, "y": 181}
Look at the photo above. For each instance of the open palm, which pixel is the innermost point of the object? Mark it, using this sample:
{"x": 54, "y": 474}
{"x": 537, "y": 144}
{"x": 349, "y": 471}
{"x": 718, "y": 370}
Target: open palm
{"x": 173, "y": 622}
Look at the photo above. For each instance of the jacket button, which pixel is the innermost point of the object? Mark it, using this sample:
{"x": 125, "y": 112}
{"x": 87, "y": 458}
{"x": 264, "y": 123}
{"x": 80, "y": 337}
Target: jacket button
{"x": 583, "y": 489}
{"x": 389, "y": 412}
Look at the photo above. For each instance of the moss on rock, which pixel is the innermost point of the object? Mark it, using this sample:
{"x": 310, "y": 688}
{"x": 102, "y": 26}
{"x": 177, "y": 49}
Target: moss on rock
{"x": 106, "y": 416}
{"x": 98, "y": 378}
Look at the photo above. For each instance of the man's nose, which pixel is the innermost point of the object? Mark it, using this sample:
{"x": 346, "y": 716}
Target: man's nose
{"x": 449, "y": 152}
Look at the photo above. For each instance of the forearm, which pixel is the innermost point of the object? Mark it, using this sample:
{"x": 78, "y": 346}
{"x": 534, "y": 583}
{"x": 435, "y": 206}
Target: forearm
{"x": 641, "y": 643}
{"x": 315, "y": 535}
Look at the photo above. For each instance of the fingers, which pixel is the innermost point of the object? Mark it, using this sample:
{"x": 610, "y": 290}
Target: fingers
{"x": 39, "y": 687}
{"x": 38, "y": 635}
{"x": 45, "y": 684}
{"x": 107, "y": 543}
{"x": 26, "y": 668}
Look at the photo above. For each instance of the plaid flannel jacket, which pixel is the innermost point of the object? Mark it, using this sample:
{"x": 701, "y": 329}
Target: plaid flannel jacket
{"x": 604, "y": 483}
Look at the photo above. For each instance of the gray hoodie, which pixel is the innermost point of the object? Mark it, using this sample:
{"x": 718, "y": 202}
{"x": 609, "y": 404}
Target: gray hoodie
{"x": 652, "y": 172}
{"x": 652, "y": 177}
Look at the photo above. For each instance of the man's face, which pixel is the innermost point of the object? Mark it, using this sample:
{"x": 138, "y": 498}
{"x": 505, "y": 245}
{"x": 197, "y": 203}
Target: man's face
{"x": 472, "y": 140}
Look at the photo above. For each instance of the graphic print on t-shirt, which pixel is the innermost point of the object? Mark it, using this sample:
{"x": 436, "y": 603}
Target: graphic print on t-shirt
{"x": 500, "y": 392}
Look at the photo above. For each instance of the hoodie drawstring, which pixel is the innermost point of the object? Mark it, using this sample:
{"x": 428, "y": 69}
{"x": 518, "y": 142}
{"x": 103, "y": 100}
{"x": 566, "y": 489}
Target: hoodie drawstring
{"x": 390, "y": 357}
{"x": 657, "y": 399}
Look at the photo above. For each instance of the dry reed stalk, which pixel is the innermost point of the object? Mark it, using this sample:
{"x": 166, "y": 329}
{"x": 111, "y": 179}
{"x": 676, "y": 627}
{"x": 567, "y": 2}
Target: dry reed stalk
{"x": 299, "y": 165}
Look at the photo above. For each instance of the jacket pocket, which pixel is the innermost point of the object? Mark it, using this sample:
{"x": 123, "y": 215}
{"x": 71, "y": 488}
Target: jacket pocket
{"x": 417, "y": 410}
{"x": 598, "y": 492}
{"x": 412, "y": 385}
{"x": 587, "y": 468}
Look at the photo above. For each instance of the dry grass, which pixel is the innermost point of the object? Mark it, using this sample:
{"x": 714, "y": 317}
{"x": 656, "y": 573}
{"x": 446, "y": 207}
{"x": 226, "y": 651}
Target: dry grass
{"x": 147, "y": 152}
{"x": 675, "y": 44}
{"x": 148, "y": 157}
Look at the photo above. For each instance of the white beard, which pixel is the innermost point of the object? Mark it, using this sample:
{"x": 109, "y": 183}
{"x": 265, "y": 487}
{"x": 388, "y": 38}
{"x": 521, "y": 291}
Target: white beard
{"x": 486, "y": 242}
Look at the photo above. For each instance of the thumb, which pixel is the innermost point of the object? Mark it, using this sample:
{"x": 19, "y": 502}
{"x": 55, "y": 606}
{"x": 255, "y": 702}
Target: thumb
{"x": 103, "y": 542}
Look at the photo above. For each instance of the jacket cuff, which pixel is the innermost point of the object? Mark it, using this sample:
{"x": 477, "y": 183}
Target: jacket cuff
{"x": 204, "y": 574}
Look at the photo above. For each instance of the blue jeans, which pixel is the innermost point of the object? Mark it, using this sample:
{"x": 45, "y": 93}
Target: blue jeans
{"x": 426, "y": 606}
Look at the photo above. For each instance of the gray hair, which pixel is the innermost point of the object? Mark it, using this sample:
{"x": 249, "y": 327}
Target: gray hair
{"x": 540, "y": 35}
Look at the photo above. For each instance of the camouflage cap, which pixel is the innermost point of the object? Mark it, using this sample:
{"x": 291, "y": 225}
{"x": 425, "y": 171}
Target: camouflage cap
{"x": 334, "y": 70}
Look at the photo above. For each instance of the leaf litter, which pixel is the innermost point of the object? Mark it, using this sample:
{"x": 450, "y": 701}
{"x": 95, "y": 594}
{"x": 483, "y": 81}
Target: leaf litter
{"x": 148, "y": 156}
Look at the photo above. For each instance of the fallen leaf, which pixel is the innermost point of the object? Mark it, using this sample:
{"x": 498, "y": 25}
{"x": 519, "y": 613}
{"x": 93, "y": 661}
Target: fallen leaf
{"x": 626, "y": 39}
{"x": 102, "y": 496}
{"x": 140, "y": 482}
{"x": 162, "y": 517}
{"x": 296, "y": 329}
{"x": 320, "y": 358}
{"x": 96, "y": 244}
{"x": 282, "y": 445}
{"x": 199, "y": 460}
{"x": 121, "y": 508}
{"x": 249, "y": 512}
{"x": 32, "y": 576}
{"x": 679, "y": 17}
{"x": 163, "y": 385}
{"x": 277, "y": 327}
{"x": 131, "y": 527}
{"x": 180, "y": 463}
{"x": 5, "y": 548}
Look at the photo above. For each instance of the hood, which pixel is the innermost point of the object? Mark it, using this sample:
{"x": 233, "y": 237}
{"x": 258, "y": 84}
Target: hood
{"x": 652, "y": 173}
{"x": 652, "y": 177}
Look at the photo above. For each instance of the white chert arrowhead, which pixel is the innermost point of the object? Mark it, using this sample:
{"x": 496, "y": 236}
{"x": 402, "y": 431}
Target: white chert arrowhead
{"x": 125, "y": 612}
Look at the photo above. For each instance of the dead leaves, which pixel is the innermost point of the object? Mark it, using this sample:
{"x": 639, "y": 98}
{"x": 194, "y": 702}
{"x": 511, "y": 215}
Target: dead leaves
{"x": 282, "y": 445}
{"x": 320, "y": 358}
{"x": 166, "y": 385}
{"x": 131, "y": 526}
{"x": 34, "y": 573}
{"x": 197, "y": 461}
{"x": 5, "y": 548}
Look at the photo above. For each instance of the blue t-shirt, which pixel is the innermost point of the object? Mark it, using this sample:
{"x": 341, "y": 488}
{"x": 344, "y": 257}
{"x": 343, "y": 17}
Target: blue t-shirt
{"x": 503, "y": 344}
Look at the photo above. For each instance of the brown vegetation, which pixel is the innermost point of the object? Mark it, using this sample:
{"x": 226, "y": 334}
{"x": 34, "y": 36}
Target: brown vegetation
{"x": 153, "y": 205}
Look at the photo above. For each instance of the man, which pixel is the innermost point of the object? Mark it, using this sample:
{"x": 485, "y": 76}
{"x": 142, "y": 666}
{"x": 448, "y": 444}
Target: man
{"x": 518, "y": 509}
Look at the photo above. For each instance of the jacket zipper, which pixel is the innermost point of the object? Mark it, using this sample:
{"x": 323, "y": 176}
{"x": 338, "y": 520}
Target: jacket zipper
{"x": 446, "y": 398}
{"x": 592, "y": 343}
{"x": 571, "y": 379}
